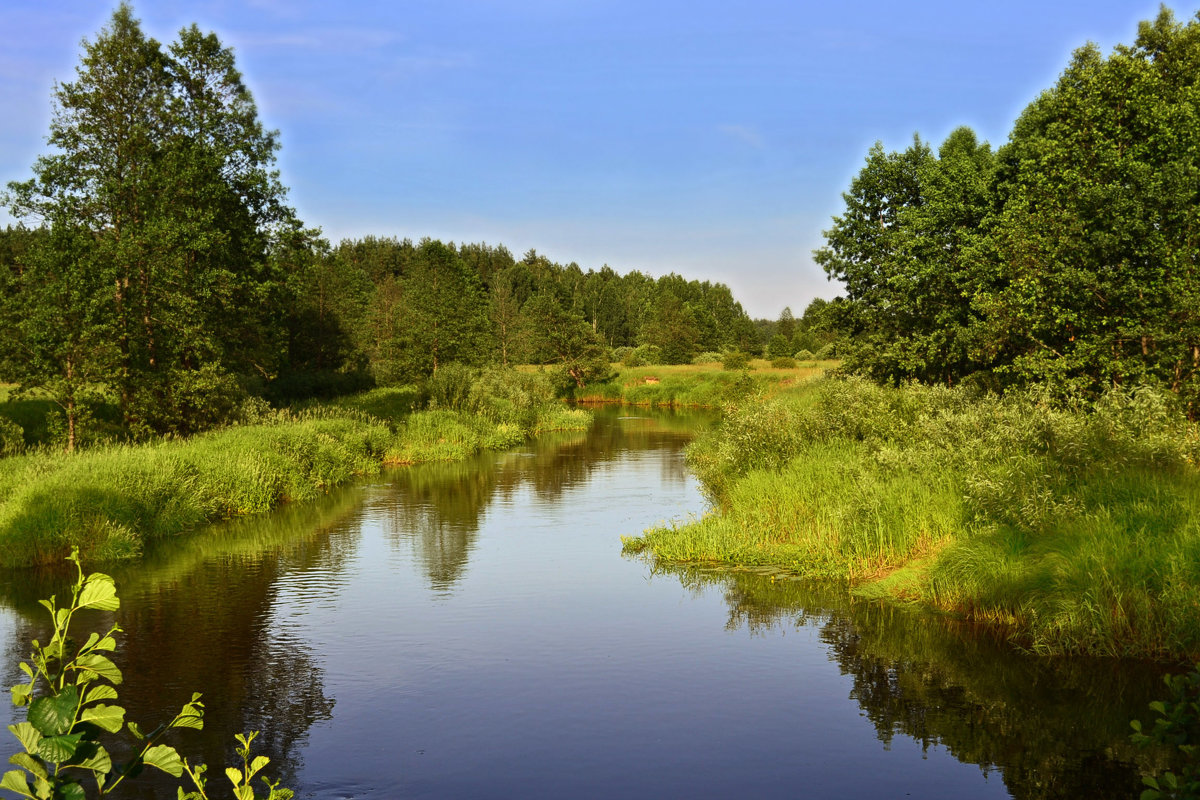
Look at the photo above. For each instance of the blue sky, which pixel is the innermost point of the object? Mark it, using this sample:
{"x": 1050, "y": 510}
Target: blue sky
{"x": 712, "y": 139}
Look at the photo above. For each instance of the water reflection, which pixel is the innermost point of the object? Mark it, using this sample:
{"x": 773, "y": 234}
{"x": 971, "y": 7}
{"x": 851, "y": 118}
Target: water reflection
{"x": 1052, "y": 728}
{"x": 437, "y": 509}
{"x": 202, "y": 614}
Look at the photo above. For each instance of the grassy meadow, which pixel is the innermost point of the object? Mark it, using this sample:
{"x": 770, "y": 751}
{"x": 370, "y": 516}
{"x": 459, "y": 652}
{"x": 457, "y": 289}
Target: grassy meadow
{"x": 1073, "y": 529}
{"x": 704, "y": 385}
{"x": 111, "y": 499}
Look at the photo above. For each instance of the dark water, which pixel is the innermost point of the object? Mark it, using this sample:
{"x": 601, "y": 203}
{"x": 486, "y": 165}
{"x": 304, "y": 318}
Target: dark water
{"x": 472, "y": 630}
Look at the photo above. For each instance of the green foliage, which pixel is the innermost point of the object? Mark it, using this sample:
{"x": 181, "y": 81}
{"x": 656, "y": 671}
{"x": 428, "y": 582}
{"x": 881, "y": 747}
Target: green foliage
{"x": 1065, "y": 258}
{"x": 1073, "y": 527}
{"x": 709, "y": 357}
{"x": 69, "y": 712}
{"x": 69, "y": 709}
{"x": 12, "y": 437}
{"x": 804, "y": 355}
{"x": 735, "y": 359}
{"x": 783, "y": 362}
{"x": 1178, "y": 727}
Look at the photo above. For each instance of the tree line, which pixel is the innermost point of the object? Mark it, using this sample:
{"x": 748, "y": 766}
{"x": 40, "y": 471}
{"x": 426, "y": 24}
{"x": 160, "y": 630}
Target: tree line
{"x": 160, "y": 270}
{"x": 1070, "y": 256}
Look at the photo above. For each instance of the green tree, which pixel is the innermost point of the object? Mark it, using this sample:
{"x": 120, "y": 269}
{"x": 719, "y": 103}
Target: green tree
{"x": 671, "y": 327}
{"x": 566, "y": 339}
{"x": 159, "y": 155}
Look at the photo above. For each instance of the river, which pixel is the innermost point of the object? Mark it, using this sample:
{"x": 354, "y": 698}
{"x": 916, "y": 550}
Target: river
{"x": 472, "y": 630}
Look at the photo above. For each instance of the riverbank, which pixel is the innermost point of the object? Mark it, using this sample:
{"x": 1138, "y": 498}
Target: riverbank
{"x": 111, "y": 500}
{"x": 696, "y": 385}
{"x": 1070, "y": 530}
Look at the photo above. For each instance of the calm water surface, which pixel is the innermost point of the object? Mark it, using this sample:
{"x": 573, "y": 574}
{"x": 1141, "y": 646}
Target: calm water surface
{"x": 473, "y": 631}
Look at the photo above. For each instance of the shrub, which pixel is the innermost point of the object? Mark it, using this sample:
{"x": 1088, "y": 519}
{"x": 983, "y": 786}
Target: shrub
{"x": 450, "y": 386}
{"x": 707, "y": 358}
{"x": 619, "y": 354}
{"x": 735, "y": 359}
{"x": 805, "y": 355}
{"x": 783, "y": 362}
{"x": 12, "y": 437}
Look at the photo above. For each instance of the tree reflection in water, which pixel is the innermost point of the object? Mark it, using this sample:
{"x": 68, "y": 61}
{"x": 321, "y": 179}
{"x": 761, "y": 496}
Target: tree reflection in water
{"x": 1052, "y": 727}
{"x": 223, "y": 587}
{"x": 437, "y": 509}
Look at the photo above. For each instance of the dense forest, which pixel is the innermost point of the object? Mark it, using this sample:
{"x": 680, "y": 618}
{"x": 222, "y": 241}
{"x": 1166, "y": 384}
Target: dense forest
{"x": 1069, "y": 257}
{"x": 160, "y": 274}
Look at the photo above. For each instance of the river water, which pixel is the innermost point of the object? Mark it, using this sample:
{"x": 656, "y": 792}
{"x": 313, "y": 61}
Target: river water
{"x": 472, "y": 630}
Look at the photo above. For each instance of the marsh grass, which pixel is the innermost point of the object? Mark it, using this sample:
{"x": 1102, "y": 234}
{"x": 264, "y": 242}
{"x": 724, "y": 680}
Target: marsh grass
{"x": 701, "y": 385}
{"x": 1074, "y": 529}
{"x": 111, "y": 500}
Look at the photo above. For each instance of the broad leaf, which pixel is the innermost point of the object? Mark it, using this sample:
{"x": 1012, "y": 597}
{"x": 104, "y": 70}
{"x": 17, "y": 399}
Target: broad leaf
{"x": 100, "y": 593}
{"x": 98, "y": 761}
{"x": 101, "y": 692}
{"x": 165, "y": 758}
{"x": 59, "y": 749}
{"x": 94, "y": 663}
{"x": 54, "y": 715}
{"x": 21, "y": 694}
{"x": 28, "y": 670}
{"x": 14, "y": 781}
{"x": 72, "y": 791}
{"x": 27, "y": 735}
{"x": 30, "y": 763}
{"x": 110, "y": 718}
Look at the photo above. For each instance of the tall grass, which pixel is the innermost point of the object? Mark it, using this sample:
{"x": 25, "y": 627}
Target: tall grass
{"x": 1076, "y": 529}
{"x": 693, "y": 385}
{"x": 110, "y": 500}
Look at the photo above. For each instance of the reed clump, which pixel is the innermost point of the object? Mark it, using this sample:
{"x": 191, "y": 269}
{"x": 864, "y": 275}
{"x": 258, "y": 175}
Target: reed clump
{"x": 110, "y": 500}
{"x": 1074, "y": 527}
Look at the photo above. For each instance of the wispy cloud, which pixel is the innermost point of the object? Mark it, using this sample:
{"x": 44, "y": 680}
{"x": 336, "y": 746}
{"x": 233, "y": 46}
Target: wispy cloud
{"x": 743, "y": 133}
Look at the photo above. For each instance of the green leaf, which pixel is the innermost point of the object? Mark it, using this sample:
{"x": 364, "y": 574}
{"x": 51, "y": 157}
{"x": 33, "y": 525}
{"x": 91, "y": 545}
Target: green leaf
{"x": 54, "y": 715}
{"x": 59, "y": 749}
{"x": 27, "y": 735}
{"x": 101, "y": 692}
{"x": 28, "y": 670}
{"x": 107, "y": 643}
{"x": 235, "y": 775}
{"x": 110, "y": 718}
{"x": 99, "y": 592}
{"x": 136, "y": 730}
{"x": 257, "y": 765}
{"x": 14, "y": 781}
{"x": 165, "y": 758}
{"x": 96, "y": 664}
{"x": 72, "y": 791}
{"x": 21, "y": 694}
{"x": 99, "y": 761}
{"x": 30, "y": 763}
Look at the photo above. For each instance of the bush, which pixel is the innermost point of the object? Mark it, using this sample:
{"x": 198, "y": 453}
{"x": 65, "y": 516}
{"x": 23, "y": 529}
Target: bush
{"x": 805, "y": 355}
{"x": 827, "y": 352}
{"x": 450, "y": 386}
{"x": 12, "y": 437}
{"x": 735, "y": 359}
{"x": 644, "y": 355}
{"x": 619, "y": 354}
{"x": 707, "y": 358}
{"x": 783, "y": 362}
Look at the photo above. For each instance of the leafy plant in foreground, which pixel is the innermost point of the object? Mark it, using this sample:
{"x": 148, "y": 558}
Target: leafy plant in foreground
{"x": 1178, "y": 726}
{"x": 68, "y": 698}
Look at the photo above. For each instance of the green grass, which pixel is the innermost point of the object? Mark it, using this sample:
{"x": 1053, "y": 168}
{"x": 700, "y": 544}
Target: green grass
{"x": 695, "y": 385}
{"x": 111, "y": 500}
{"x": 1070, "y": 529}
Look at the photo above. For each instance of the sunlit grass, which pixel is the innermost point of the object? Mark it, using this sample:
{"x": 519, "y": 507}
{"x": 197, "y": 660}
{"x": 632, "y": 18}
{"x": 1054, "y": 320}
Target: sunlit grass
{"x": 1073, "y": 530}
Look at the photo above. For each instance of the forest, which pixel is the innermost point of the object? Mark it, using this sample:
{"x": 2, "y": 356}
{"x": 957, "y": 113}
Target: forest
{"x": 159, "y": 280}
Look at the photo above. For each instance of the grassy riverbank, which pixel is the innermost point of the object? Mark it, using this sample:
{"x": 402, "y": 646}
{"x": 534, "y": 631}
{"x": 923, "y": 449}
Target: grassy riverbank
{"x": 696, "y": 385}
{"x": 1075, "y": 530}
{"x": 110, "y": 500}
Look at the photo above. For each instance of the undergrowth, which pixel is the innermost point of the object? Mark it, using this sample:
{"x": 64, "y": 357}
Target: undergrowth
{"x": 1075, "y": 528}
